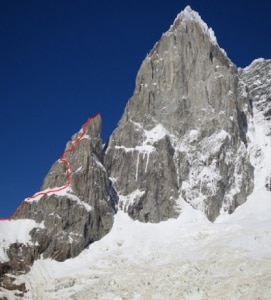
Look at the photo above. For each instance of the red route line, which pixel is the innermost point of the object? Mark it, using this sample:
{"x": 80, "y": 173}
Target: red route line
{"x": 68, "y": 172}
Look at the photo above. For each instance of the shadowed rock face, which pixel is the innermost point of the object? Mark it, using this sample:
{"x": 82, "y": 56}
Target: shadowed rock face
{"x": 182, "y": 132}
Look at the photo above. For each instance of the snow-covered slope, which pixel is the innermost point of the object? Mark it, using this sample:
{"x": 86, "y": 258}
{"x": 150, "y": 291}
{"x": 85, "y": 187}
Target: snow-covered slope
{"x": 15, "y": 231}
{"x": 187, "y": 258}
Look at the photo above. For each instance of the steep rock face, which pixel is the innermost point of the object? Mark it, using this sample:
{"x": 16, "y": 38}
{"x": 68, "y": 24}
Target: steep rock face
{"x": 82, "y": 212}
{"x": 183, "y": 132}
{"x": 256, "y": 82}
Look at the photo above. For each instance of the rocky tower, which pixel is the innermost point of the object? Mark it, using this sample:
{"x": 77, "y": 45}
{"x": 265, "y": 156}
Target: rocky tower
{"x": 183, "y": 133}
{"x": 78, "y": 211}
{"x": 81, "y": 213}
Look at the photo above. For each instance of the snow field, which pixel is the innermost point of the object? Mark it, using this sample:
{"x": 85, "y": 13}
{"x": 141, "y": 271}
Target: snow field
{"x": 186, "y": 258}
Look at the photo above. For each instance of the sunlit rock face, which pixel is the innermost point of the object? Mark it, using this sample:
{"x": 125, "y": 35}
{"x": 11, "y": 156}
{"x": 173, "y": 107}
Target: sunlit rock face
{"x": 183, "y": 132}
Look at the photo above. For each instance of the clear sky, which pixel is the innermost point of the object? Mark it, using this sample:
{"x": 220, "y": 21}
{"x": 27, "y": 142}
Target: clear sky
{"x": 62, "y": 61}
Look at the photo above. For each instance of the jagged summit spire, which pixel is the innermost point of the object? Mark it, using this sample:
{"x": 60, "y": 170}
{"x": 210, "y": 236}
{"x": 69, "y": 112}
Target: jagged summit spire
{"x": 190, "y": 15}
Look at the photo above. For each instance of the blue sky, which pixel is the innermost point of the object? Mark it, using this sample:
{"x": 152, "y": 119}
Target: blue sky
{"x": 62, "y": 61}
